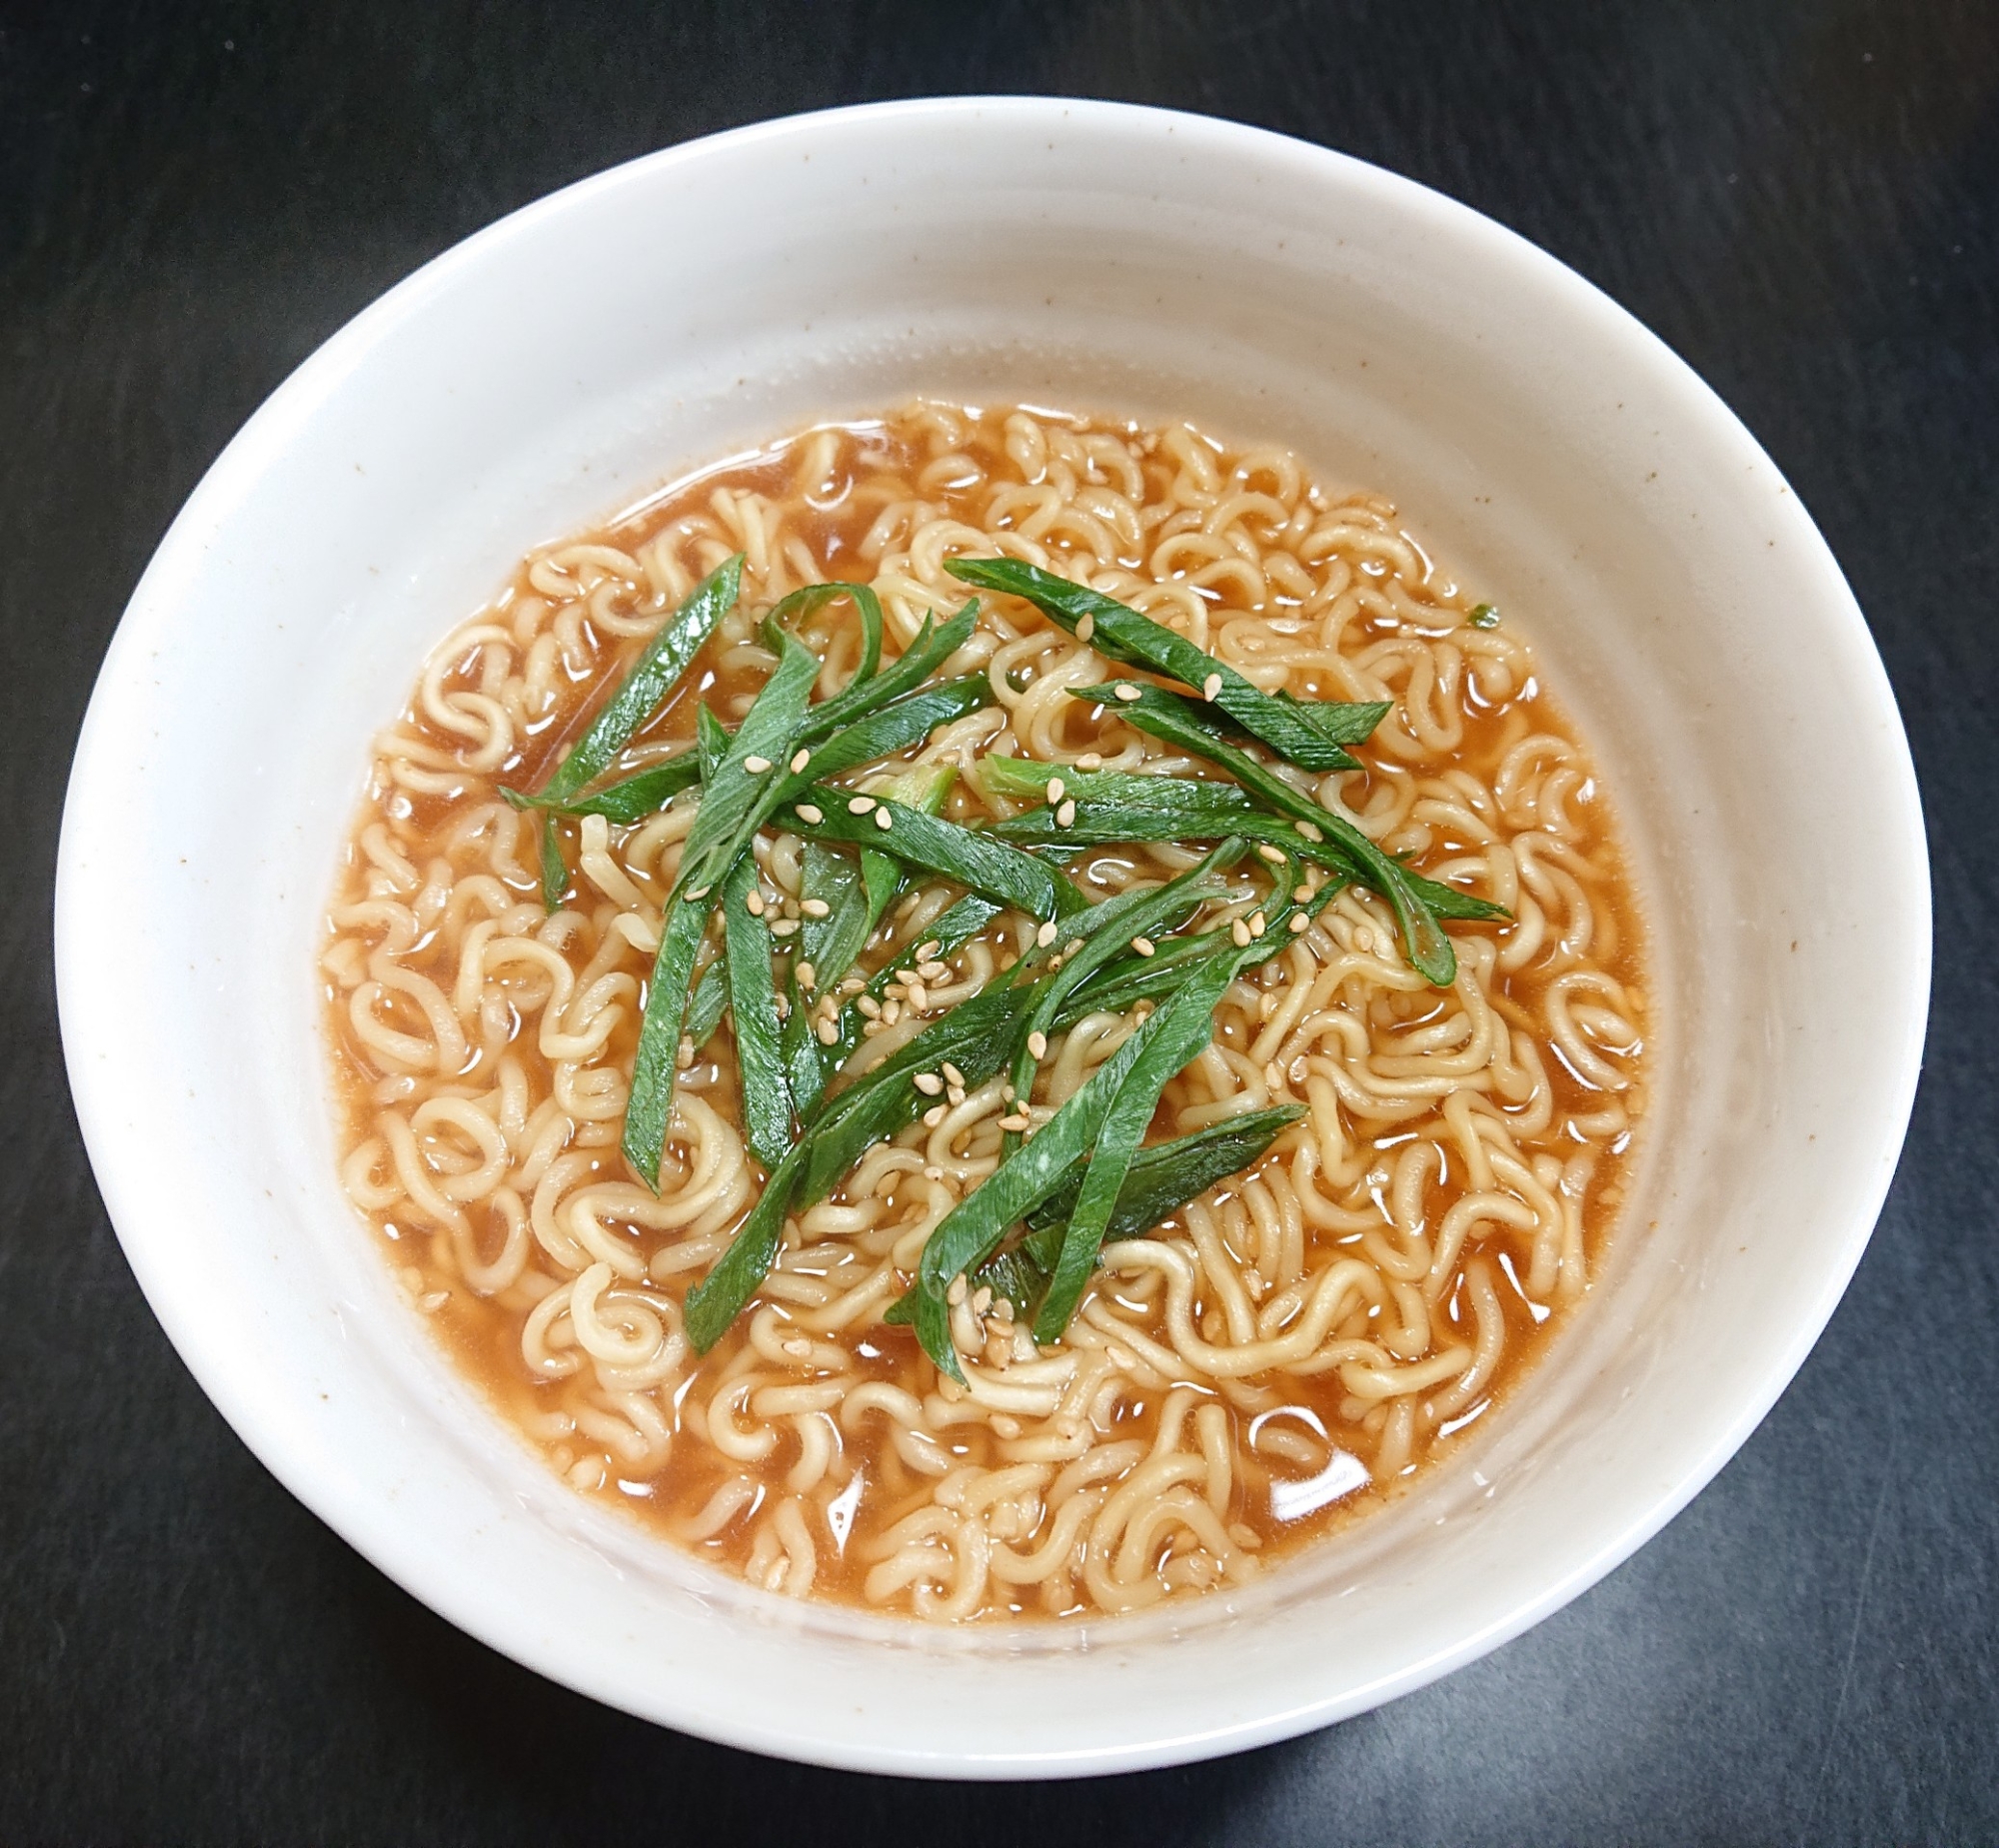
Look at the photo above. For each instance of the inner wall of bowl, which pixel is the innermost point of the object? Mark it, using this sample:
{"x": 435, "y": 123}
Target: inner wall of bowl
{"x": 557, "y": 369}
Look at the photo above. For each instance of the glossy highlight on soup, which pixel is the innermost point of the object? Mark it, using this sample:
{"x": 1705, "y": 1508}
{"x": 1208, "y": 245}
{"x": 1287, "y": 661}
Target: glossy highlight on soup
{"x": 1359, "y": 1195}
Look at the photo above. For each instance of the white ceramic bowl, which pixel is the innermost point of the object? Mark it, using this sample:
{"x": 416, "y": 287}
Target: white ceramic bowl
{"x": 705, "y": 299}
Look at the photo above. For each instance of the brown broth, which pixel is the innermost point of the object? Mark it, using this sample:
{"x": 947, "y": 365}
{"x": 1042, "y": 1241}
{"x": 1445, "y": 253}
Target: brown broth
{"x": 1273, "y": 1496}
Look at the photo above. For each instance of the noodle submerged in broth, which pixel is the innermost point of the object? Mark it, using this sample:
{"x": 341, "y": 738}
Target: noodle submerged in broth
{"x": 1362, "y": 1204}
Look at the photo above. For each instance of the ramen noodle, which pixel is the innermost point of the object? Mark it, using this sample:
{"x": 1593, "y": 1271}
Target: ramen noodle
{"x": 1291, "y": 1346}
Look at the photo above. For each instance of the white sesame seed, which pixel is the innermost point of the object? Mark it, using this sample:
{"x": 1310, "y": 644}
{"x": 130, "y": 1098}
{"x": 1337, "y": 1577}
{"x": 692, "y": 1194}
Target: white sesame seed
{"x": 785, "y": 927}
{"x": 1125, "y": 691}
{"x": 1300, "y": 923}
{"x": 1274, "y": 854}
{"x": 815, "y": 907}
{"x": 827, "y": 1032}
{"x": 684, "y": 1052}
{"x": 933, "y": 1115}
{"x": 1045, "y": 934}
{"x": 905, "y": 975}
{"x": 951, "y": 1076}
{"x": 1311, "y": 830}
{"x": 753, "y": 904}
{"x": 955, "y": 1295}
{"x": 800, "y": 759}
{"x": 1210, "y": 686}
{"x": 928, "y": 1084}
{"x": 1258, "y": 925}
{"x": 1090, "y": 759}
{"x": 807, "y": 976}
{"x": 884, "y": 819}
{"x": 892, "y": 1013}
{"x": 1085, "y": 627}
{"x": 699, "y": 892}
{"x": 756, "y": 766}
{"x": 984, "y": 1300}
{"x": 1054, "y": 788}
{"x": 1144, "y": 945}
{"x": 955, "y": 1095}
{"x": 811, "y": 814}
{"x": 869, "y": 1007}
{"x": 1300, "y": 894}
{"x": 1240, "y": 933}
{"x": 1038, "y": 1044}
{"x": 925, "y": 951}
{"x": 1065, "y": 815}
{"x": 859, "y": 804}
{"x": 1013, "y": 1123}
{"x": 920, "y": 1001}
{"x": 933, "y": 972}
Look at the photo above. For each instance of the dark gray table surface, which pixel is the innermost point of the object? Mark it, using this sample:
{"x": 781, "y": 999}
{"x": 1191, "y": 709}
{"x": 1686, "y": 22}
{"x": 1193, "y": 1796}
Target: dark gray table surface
{"x": 1802, "y": 199}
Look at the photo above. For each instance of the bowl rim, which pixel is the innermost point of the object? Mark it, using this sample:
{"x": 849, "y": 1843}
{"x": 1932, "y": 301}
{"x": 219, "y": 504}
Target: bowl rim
{"x": 97, "y": 1088}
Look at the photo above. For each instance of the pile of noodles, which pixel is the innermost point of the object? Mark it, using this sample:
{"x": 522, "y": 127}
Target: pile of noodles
{"x": 1321, "y": 1320}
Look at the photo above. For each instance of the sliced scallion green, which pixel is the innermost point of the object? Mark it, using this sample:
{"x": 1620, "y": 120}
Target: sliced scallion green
{"x": 650, "y": 1107}
{"x": 896, "y": 726}
{"x": 932, "y": 647}
{"x": 1113, "y": 794}
{"x": 1164, "y": 1178}
{"x": 959, "y": 924}
{"x": 832, "y": 946}
{"x": 827, "y": 946}
{"x": 555, "y": 869}
{"x": 1166, "y": 716}
{"x": 813, "y": 598}
{"x": 1147, "y": 913}
{"x": 973, "y": 1228}
{"x": 735, "y": 804}
{"x": 718, "y": 1298}
{"x": 1188, "y": 1025}
{"x": 710, "y": 741}
{"x": 971, "y": 856}
{"x": 644, "y": 792}
{"x": 753, "y": 1005}
{"x": 652, "y": 676}
{"x": 977, "y": 1036}
{"x": 707, "y": 1002}
{"x": 1309, "y": 734}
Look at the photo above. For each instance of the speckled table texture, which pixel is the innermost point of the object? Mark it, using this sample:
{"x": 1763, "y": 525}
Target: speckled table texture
{"x": 1802, "y": 199}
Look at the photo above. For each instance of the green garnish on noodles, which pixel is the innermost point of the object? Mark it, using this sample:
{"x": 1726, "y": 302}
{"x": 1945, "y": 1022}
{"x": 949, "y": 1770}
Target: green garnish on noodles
{"x": 804, "y": 1005}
